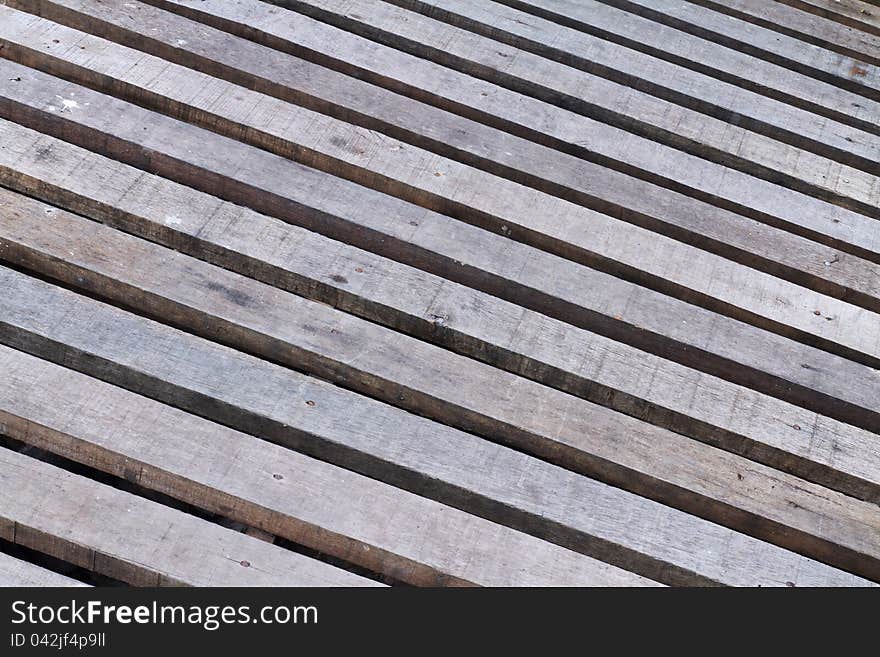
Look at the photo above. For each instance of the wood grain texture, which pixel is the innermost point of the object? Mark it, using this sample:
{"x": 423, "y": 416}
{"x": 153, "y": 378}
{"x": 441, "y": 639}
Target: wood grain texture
{"x": 800, "y": 25}
{"x": 137, "y": 541}
{"x": 613, "y": 245}
{"x": 703, "y": 55}
{"x": 862, "y": 16}
{"x": 433, "y": 292}
{"x": 848, "y": 72}
{"x": 617, "y": 149}
{"x": 657, "y": 76}
{"x": 466, "y": 321}
{"x": 669, "y": 328}
{"x": 382, "y": 442}
{"x": 17, "y": 573}
{"x": 622, "y": 195}
{"x": 572, "y": 89}
{"x": 384, "y": 529}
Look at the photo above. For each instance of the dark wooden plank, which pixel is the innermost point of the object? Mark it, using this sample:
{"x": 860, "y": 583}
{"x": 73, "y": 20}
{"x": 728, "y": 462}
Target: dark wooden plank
{"x": 408, "y": 538}
{"x": 620, "y": 195}
{"x": 17, "y": 573}
{"x": 803, "y": 26}
{"x": 466, "y": 321}
{"x": 403, "y": 449}
{"x": 138, "y": 541}
{"x": 848, "y": 72}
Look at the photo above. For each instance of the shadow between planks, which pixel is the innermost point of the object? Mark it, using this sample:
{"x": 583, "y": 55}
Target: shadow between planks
{"x": 413, "y": 328}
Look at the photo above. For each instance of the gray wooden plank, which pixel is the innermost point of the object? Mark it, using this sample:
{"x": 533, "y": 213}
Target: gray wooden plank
{"x": 803, "y": 26}
{"x": 657, "y": 76}
{"x": 853, "y": 13}
{"x": 138, "y": 541}
{"x": 17, "y": 573}
{"x": 709, "y": 280}
{"x": 466, "y": 321}
{"x": 847, "y": 72}
{"x": 359, "y": 520}
{"x": 703, "y": 55}
{"x": 570, "y": 88}
{"x": 402, "y": 449}
{"x": 707, "y": 341}
{"x": 696, "y": 133}
{"x": 313, "y": 338}
{"x": 573, "y": 178}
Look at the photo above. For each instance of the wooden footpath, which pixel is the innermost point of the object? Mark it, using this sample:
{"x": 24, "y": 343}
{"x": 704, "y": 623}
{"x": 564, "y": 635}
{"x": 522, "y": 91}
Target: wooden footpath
{"x": 440, "y": 293}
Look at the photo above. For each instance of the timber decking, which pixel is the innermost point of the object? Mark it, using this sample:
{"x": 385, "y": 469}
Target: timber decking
{"x": 516, "y": 293}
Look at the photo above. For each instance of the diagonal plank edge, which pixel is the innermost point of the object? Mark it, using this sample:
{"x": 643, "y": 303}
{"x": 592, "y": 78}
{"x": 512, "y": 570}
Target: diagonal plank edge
{"x": 311, "y": 338}
{"x": 274, "y": 489}
{"x": 381, "y": 442}
{"x": 440, "y": 293}
{"x": 138, "y": 541}
{"x": 496, "y": 332}
{"x": 687, "y": 334}
{"x": 622, "y": 196}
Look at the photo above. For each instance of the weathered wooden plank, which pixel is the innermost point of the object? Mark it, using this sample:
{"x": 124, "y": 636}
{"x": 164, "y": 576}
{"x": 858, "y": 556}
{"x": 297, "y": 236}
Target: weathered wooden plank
{"x": 570, "y": 88}
{"x": 803, "y": 26}
{"x": 16, "y": 573}
{"x": 472, "y": 54}
{"x": 684, "y": 271}
{"x": 57, "y": 261}
{"x": 438, "y": 385}
{"x": 359, "y": 520}
{"x": 138, "y": 541}
{"x": 703, "y": 55}
{"x": 384, "y": 443}
{"x": 581, "y": 296}
{"x": 853, "y": 13}
{"x": 621, "y": 195}
{"x": 651, "y": 74}
{"x": 575, "y": 294}
{"x": 316, "y": 339}
{"x": 848, "y": 72}
{"x": 581, "y": 363}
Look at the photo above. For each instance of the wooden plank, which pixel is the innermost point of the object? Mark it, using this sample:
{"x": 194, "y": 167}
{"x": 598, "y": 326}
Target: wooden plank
{"x": 687, "y": 334}
{"x": 138, "y": 541}
{"x": 359, "y": 520}
{"x": 800, "y": 25}
{"x": 621, "y": 196}
{"x": 17, "y": 573}
{"x": 656, "y": 76}
{"x": 849, "y": 72}
{"x": 581, "y": 363}
{"x": 698, "y": 54}
{"x": 853, "y": 13}
{"x": 472, "y": 396}
{"x": 591, "y": 96}
{"x": 297, "y": 338}
{"x": 686, "y": 272}
{"x": 382, "y": 442}
{"x": 523, "y": 72}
